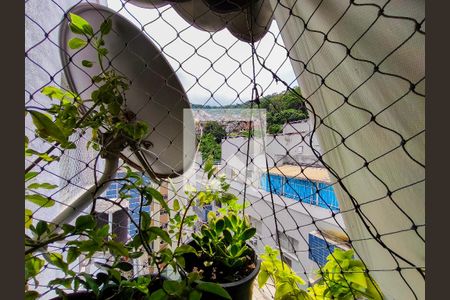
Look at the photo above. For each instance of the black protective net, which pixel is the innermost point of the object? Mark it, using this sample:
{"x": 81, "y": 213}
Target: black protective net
{"x": 312, "y": 111}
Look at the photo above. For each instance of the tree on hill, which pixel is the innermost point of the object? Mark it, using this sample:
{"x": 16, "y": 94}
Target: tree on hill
{"x": 209, "y": 147}
{"x": 216, "y": 130}
{"x": 283, "y": 108}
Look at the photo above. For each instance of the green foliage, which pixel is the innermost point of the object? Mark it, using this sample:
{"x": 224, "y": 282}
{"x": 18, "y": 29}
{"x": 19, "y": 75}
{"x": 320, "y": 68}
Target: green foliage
{"x": 345, "y": 278}
{"x": 274, "y": 128}
{"x": 281, "y": 108}
{"x": 342, "y": 278}
{"x": 286, "y": 281}
{"x": 209, "y": 147}
{"x": 216, "y": 130}
{"x": 63, "y": 118}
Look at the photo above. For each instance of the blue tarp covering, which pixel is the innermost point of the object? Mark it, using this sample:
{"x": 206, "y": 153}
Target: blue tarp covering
{"x": 275, "y": 181}
{"x": 327, "y": 197}
{"x": 302, "y": 190}
{"x": 316, "y": 193}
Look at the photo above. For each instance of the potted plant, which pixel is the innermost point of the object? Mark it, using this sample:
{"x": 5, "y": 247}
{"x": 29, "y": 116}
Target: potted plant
{"x": 342, "y": 277}
{"x": 222, "y": 253}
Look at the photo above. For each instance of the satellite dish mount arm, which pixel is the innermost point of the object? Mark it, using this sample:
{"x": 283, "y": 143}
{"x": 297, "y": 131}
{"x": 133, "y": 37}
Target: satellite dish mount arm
{"x": 111, "y": 153}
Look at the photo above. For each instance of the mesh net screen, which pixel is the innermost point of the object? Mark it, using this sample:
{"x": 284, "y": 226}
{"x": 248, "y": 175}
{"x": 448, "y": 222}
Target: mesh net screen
{"x": 334, "y": 94}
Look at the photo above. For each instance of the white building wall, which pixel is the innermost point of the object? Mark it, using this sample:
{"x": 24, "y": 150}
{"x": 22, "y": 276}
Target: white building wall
{"x": 295, "y": 220}
{"x": 293, "y": 216}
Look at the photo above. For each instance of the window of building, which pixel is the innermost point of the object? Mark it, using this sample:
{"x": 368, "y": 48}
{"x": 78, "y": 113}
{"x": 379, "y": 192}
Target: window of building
{"x": 287, "y": 242}
{"x": 320, "y": 246}
{"x": 287, "y": 260}
{"x": 117, "y": 221}
{"x": 257, "y": 224}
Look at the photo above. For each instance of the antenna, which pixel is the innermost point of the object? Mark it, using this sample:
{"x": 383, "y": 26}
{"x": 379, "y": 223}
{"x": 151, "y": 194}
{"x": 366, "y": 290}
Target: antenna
{"x": 155, "y": 96}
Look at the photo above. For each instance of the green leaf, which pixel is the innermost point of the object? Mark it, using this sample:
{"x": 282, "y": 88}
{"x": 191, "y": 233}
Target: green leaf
{"x": 184, "y": 249}
{"x": 56, "y": 259}
{"x": 103, "y": 51}
{"x": 46, "y": 128}
{"x": 87, "y": 63}
{"x": 161, "y": 233}
{"x": 234, "y": 249}
{"x": 159, "y": 295}
{"x": 248, "y": 233}
{"x": 30, "y": 175}
{"x": 67, "y": 228}
{"x": 136, "y": 254}
{"x": 117, "y": 248}
{"x": 102, "y": 232}
{"x": 263, "y": 276}
{"x": 145, "y": 220}
{"x": 373, "y": 290}
{"x": 81, "y": 24}
{"x": 40, "y": 200}
{"x": 76, "y": 43}
{"x": 84, "y": 222}
{"x": 220, "y": 225}
{"x": 91, "y": 284}
{"x": 44, "y": 156}
{"x": 357, "y": 276}
{"x": 172, "y": 287}
{"x": 158, "y": 197}
{"x": 75, "y": 29}
{"x": 31, "y": 295}
{"x": 227, "y": 236}
{"x": 57, "y": 93}
{"x": 41, "y": 228}
{"x": 72, "y": 254}
{"x": 208, "y": 165}
{"x": 46, "y": 186}
{"x": 124, "y": 266}
{"x": 176, "y": 205}
{"x": 28, "y": 218}
{"x": 195, "y": 295}
{"x": 33, "y": 266}
{"x": 106, "y": 26}
{"x": 213, "y": 288}
{"x": 66, "y": 282}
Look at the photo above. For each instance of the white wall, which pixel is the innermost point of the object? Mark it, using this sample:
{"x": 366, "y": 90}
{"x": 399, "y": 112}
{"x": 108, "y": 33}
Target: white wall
{"x": 297, "y": 214}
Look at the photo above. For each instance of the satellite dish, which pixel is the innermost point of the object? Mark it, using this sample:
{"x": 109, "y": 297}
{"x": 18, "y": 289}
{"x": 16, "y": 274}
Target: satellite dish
{"x": 155, "y": 96}
{"x": 153, "y": 3}
{"x": 253, "y": 21}
{"x": 149, "y": 3}
{"x": 226, "y": 6}
{"x": 199, "y": 15}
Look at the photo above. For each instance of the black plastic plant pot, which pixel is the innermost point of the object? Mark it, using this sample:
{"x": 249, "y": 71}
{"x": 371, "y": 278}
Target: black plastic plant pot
{"x": 239, "y": 290}
{"x": 111, "y": 293}
{"x": 78, "y": 295}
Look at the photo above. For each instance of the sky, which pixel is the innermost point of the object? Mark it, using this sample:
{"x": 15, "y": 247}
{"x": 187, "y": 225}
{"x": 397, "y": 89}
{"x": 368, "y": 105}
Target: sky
{"x": 162, "y": 25}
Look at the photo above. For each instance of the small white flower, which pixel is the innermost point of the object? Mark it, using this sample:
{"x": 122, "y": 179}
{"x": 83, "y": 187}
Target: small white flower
{"x": 188, "y": 189}
{"x": 214, "y": 185}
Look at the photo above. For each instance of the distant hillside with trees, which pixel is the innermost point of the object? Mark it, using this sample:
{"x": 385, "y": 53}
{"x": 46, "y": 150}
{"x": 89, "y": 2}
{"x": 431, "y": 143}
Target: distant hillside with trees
{"x": 281, "y": 108}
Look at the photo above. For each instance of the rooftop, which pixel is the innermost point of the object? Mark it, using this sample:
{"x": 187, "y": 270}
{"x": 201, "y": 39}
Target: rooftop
{"x": 302, "y": 172}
